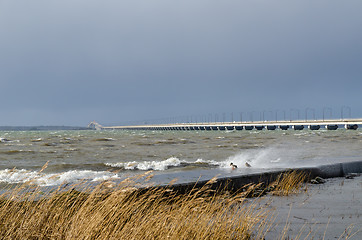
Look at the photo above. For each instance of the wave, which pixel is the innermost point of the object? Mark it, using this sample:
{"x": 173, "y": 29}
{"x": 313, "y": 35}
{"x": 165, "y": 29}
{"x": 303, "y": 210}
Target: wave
{"x": 36, "y": 140}
{"x": 148, "y": 165}
{"x": 15, "y": 176}
{"x": 171, "y": 162}
{"x": 15, "y": 151}
{"x": 208, "y": 162}
{"x": 105, "y": 139}
{"x": 5, "y": 140}
{"x": 62, "y": 167}
{"x": 275, "y": 157}
{"x": 265, "y": 158}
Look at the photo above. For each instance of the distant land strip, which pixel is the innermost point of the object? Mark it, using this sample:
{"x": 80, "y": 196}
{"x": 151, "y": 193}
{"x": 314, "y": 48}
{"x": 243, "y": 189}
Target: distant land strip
{"x": 40, "y": 128}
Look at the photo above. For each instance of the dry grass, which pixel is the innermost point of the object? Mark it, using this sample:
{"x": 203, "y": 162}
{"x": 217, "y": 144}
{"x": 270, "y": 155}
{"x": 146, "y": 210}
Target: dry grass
{"x": 288, "y": 183}
{"x": 124, "y": 212}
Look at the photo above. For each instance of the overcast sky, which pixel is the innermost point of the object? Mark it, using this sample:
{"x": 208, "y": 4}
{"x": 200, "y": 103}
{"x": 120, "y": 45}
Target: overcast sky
{"x": 73, "y": 61}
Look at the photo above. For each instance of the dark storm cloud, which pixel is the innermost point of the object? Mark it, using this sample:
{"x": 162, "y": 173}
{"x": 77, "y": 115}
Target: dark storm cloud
{"x": 128, "y": 60}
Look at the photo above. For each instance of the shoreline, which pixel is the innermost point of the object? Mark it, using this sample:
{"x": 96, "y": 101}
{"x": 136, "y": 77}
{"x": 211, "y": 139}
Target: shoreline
{"x": 330, "y": 210}
{"x": 234, "y": 183}
{"x": 325, "y": 211}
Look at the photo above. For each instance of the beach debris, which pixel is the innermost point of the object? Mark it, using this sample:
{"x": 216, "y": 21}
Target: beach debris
{"x": 233, "y": 166}
{"x": 247, "y": 164}
{"x": 317, "y": 180}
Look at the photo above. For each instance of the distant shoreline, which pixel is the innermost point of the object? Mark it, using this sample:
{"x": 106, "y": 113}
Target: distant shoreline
{"x": 41, "y": 128}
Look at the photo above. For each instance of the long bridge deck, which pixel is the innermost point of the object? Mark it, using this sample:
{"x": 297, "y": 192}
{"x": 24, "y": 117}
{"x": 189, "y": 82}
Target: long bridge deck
{"x": 330, "y": 124}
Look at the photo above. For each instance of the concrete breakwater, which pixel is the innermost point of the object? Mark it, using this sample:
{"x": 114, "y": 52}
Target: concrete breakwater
{"x": 237, "y": 182}
{"x": 350, "y": 124}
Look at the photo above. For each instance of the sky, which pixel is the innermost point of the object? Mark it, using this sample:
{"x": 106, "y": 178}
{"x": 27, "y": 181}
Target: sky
{"x": 70, "y": 62}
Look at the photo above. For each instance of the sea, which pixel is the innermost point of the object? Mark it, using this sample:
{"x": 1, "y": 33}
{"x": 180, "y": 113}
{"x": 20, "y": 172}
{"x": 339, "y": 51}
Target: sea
{"x": 54, "y": 158}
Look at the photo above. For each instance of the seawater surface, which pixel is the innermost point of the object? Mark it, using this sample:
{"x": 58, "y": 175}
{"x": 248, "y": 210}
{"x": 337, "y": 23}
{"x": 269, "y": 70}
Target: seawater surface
{"x": 52, "y": 158}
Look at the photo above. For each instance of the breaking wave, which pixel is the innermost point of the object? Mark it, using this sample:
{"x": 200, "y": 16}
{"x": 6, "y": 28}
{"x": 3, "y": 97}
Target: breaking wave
{"x": 163, "y": 165}
{"x": 148, "y": 165}
{"x": 14, "y": 176}
{"x": 5, "y": 140}
{"x": 280, "y": 157}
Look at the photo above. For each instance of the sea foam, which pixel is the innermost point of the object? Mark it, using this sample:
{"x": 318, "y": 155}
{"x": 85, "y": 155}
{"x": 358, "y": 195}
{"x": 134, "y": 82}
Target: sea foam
{"x": 13, "y": 176}
{"x": 148, "y": 165}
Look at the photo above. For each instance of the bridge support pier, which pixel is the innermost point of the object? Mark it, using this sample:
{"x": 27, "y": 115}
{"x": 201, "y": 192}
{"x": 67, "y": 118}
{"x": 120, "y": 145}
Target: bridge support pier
{"x": 259, "y": 128}
{"x": 284, "y": 127}
{"x": 332, "y": 127}
{"x": 351, "y": 126}
{"x": 271, "y": 127}
{"x": 298, "y": 127}
{"x": 314, "y": 127}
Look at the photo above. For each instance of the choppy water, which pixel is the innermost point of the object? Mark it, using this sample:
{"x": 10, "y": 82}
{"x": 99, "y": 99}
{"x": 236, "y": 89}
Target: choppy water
{"x": 114, "y": 155}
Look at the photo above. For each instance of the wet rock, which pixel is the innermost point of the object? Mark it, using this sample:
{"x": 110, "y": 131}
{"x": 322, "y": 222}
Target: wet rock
{"x": 351, "y": 175}
{"x": 313, "y": 181}
{"x": 320, "y": 180}
{"x": 317, "y": 180}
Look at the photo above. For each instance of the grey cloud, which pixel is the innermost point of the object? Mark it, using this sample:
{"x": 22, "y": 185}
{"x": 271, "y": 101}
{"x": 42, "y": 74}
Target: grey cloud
{"x": 124, "y": 60}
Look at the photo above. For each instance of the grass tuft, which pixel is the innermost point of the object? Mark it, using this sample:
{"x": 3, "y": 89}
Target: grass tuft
{"x": 288, "y": 183}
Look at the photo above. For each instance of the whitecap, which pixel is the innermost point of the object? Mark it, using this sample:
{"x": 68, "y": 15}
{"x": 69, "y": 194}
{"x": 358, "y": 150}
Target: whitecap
{"x": 37, "y": 140}
{"x": 276, "y": 160}
{"x": 13, "y": 176}
{"x": 5, "y": 140}
{"x": 148, "y": 165}
{"x": 210, "y": 162}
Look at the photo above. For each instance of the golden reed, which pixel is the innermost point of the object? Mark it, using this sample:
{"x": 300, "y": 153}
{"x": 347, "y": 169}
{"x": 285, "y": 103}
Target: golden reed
{"x": 125, "y": 212}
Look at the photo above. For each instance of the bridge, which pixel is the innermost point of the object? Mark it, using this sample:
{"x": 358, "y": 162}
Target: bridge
{"x": 330, "y": 124}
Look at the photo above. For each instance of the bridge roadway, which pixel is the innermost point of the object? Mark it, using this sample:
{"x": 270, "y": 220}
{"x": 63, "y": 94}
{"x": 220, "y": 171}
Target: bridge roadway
{"x": 330, "y": 124}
